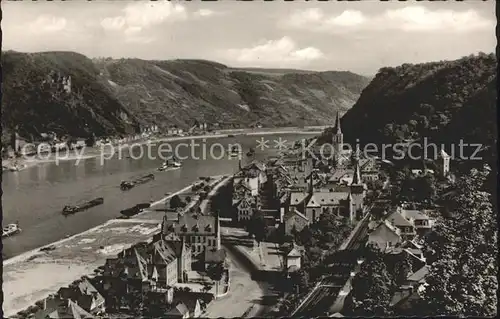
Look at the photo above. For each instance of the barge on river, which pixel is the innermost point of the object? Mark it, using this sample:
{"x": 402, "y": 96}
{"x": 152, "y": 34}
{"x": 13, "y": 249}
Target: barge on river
{"x": 129, "y": 212}
{"x": 10, "y": 230}
{"x": 126, "y": 185}
{"x": 69, "y": 210}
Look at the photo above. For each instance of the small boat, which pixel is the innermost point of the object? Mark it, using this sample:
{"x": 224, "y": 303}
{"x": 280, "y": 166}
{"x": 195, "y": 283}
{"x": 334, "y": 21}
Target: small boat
{"x": 69, "y": 210}
{"x": 230, "y": 135}
{"x": 17, "y": 167}
{"x": 235, "y": 151}
{"x": 126, "y": 185}
{"x": 170, "y": 164}
{"x": 251, "y": 152}
{"x": 11, "y": 229}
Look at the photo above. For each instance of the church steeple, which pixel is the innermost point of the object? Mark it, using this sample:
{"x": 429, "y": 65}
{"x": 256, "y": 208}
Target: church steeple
{"x": 356, "y": 180}
{"x": 338, "y": 129}
{"x": 239, "y": 165}
{"x": 311, "y": 185}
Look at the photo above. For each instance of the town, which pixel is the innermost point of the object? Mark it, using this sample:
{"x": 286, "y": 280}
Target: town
{"x": 308, "y": 228}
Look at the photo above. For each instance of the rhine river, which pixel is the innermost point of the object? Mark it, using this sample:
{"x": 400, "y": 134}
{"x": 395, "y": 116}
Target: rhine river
{"x": 36, "y": 196}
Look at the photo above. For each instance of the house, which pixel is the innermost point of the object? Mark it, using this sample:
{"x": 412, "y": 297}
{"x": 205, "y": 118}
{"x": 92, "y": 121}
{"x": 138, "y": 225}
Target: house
{"x": 312, "y": 204}
{"x": 85, "y": 295}
{"x": 245, "y": 208}
{"x": 178, "y": 311}
{"x": 201, "y": 232}
{"x": 404, "y": 298}
{"x": 183, "y": 253}
{"x": 405, "y": 226}
{"x": 292, "y": 257}
{"x": 68, "y": 310}
{"x": 294, "y": 221}
{"x": 165, "y": 270}
{"x": 196, "y": 302}
{"x": 419, "y": 218}
{"x": 214, "y": 257}
{"x": 384, "y": 235}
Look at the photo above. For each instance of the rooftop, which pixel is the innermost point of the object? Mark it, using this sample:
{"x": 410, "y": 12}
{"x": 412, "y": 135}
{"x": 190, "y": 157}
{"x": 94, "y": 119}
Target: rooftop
{"x": 191, "y": 224}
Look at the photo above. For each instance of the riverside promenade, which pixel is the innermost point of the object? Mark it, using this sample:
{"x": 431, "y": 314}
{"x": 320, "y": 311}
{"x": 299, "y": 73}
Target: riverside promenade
{"x": 34, "y": 275}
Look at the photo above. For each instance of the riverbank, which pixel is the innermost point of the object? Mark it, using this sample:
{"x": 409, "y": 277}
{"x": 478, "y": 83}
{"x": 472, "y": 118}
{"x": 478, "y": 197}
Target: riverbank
{"x": 23, "y": 163}
{"x": 34, "y": 275}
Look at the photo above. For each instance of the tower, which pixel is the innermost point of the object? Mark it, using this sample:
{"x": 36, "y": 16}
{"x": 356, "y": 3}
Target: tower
{"x": 337, "y": 142}
{"x": 445, "y": 162}
{"x": 239, "y": 165}
{"x": 310, "y": 189}
{"x": 357, "y": 193}
{"x": 217, "y": 230}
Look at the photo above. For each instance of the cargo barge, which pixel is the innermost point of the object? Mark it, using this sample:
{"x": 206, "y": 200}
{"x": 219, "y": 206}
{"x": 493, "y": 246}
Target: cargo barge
{"x": 135, "y": 210}
{"x": 69, "y": 210}
{"x": 126, "y": 185}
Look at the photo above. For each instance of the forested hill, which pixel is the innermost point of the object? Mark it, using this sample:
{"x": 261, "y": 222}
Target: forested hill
{"x": 111, "y": 97}
{"x": 445, "y": 101}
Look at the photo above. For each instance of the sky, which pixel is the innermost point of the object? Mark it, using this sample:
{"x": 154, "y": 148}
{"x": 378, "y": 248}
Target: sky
{"x": 360, "y": 37}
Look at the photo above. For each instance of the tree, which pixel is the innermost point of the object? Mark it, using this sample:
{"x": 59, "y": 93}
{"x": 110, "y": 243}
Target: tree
{"x": 257, "y": 226}
{"x": 371, "y": 288}
{"x": 463, "y": 267}
{"x": 176, "y": 202}
{"x": 300, "y": 279}
{"x": 402, "y": 269}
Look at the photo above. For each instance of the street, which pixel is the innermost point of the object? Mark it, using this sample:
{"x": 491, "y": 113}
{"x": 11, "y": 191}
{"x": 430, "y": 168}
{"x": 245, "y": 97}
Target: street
{"x": 244, "y": 296}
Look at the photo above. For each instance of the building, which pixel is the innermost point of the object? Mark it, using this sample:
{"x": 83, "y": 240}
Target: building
{"x": 411, "y": 291}
{"x": 419, "y": 218}
{"x": 182, "y": 252}
{"x": 166, "y": 270}
{"x": 178, "y": 311}
{"x": 292, "y": 257}
{"x": 245, "y": 208}
{"x": 294, "y": 221}
{"x": 314, "y": 203}
{"x": 199, "y": 231}
{"x": 254, "y": 175}
{"x": 67, "y": 309}
{"x": 445, "y": 162}
{"x": 85, "y": 295}
{"x": 384, "y": 235}
{"x": 406, "y": 227}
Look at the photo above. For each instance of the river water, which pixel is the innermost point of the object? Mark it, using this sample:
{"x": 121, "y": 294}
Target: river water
{"x": 35, "y": 197}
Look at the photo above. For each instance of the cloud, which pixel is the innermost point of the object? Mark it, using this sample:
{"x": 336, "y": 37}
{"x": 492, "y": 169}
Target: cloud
{"x": 143, "y": 15}
{"x": 48, "y": 24}
{"x": 275, "y": 53}
{"x": 409, "y": 19}
{"x": 204, "y": 13}
{"x": 422, "y": 19}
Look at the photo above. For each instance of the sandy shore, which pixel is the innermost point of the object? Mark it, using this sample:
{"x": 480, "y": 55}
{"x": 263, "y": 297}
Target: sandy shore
{"x": 34, "y": 275}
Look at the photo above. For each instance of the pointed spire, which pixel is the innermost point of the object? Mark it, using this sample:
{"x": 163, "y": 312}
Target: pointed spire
{"x": 338, "y": 129}
{"x": 311, "y": 186}
{"x": 356, "y": 180}
{"x": 239, "y": 165}
{"x": 357, "y": 155}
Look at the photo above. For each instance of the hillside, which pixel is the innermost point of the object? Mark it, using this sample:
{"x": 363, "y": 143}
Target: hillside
{"x": 109, "y": 96}
{"x": 444, "y": 101}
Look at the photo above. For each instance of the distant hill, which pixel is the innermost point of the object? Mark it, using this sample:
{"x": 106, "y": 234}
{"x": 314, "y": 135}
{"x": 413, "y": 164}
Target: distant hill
{"x": 444, "y": 101}
{"x": 117, "y": 96}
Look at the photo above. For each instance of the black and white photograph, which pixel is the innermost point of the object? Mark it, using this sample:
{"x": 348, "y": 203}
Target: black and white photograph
{"x": 241, "y": 159}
